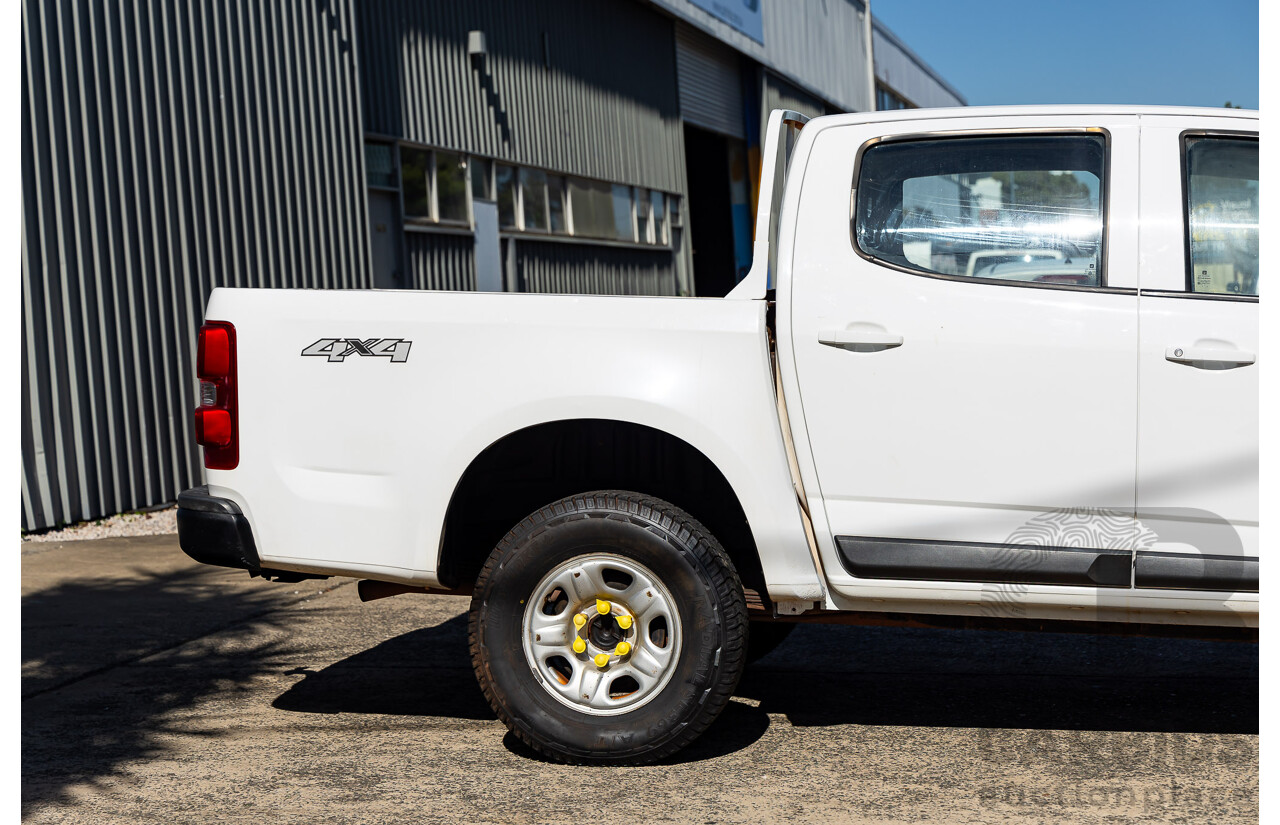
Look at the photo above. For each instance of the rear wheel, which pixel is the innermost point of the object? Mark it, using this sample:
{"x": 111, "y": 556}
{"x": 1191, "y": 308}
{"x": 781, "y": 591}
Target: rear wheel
{"x": 608, "y": 628}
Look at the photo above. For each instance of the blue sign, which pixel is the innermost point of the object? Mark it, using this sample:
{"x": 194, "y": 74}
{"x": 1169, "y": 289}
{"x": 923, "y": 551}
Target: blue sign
{"x": 743, "y": 15}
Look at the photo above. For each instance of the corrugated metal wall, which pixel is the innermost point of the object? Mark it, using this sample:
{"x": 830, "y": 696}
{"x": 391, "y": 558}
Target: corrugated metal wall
{"x": 817, "y": 44}
{"x": 574, "y": 86}
{"x": 167, "y": 149}
{"x": 441, "y": 261}
{"x": 572, "y": 268}
{"x": 779, "y": 94}
{"x": 577, "y": 86}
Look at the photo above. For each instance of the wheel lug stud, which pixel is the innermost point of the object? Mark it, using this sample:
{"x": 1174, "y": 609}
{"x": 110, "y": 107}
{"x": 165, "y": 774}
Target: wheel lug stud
{"x": 603, "y": 607}
{"x": 579, "y": 620}
{"x": 579, "y": 646}
{"x": 602, "y": 659}
{"x": 624, "y": 622}
{"x": 622, "y": 649}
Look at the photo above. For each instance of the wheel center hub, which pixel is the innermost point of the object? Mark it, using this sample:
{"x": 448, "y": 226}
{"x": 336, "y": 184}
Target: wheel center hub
{"x": 589, "y": 634}
{"x": 604, "y": 632}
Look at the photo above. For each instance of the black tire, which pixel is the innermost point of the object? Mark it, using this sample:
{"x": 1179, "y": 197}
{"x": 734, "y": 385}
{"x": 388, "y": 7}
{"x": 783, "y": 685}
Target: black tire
{"x": 765, "y": 638}
{"x": 689, "y": 563}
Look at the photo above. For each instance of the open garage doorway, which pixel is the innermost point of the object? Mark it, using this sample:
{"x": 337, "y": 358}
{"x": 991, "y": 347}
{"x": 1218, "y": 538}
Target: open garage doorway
{"x": 719, "y": 215}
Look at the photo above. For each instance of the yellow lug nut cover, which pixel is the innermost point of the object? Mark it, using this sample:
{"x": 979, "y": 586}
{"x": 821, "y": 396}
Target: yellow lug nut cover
{"x": 579, "y": 620}
{"x": 624, "y": 622}
{"x": 622, "y": 649}
{"x": 602, "y": 659}
{"x": 603, "y": 607}
{"x": 579, "y": 645}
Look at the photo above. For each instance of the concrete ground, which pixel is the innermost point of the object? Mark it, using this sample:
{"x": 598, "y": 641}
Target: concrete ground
{"x": 158, "y": 690}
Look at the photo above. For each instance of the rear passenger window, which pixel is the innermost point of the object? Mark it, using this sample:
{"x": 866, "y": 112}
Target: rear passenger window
{"x": 1222, "y": 215}
{"x": 1023, "y": 208}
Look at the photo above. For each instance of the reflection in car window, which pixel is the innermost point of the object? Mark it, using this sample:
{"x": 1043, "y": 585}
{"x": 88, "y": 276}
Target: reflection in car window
{"x": 1222, "y": 211}
{"x": 1017, "y": 208}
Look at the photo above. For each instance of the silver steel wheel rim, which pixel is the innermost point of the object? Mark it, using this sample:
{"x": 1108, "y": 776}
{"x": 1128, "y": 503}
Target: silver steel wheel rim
{"x": 574, "y": 677}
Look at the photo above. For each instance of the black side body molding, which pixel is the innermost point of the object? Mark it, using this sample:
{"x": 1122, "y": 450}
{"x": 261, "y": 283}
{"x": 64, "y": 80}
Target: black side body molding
{"x": 929, "y": 560}
{"x": 1193, "y": 571}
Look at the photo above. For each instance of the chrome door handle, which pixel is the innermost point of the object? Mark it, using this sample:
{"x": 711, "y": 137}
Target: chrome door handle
{"x": 1206, "y": 358}
{"x": 859, "y": 340}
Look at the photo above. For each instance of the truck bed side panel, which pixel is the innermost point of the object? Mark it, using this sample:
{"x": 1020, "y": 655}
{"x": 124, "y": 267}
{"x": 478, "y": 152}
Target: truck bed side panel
{"x": 348, "y": 462}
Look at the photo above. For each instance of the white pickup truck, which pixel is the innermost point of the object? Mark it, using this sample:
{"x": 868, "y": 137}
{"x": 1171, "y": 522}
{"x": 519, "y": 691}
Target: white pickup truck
{"x": 868, "y": 428}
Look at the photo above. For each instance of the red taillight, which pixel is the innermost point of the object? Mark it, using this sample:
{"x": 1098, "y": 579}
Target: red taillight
{"x": 216, "y": 420}
{"x": 213, "y": 427}
{"x": 213, "y": 359}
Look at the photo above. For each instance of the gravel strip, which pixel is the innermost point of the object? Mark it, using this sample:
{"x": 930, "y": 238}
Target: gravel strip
{"x": 155, "y": 523}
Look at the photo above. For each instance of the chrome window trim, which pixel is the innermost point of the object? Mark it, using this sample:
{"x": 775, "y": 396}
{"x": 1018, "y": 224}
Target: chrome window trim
{"x": 1201, "y": 296}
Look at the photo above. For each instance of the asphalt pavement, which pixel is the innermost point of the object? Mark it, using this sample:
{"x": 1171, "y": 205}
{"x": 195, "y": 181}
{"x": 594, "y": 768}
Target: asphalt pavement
{"x": 158, "y": 690}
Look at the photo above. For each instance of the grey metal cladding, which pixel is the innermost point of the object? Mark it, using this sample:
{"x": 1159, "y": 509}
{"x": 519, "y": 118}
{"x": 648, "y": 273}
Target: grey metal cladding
{"x": 817, "y": 44}
{"x": 576, "y": 86}
{"x": 167, "y": 149}
{"x": 550, "y": 266}
{"x": 441, "y": 261}
{"x": 779, "y": 94}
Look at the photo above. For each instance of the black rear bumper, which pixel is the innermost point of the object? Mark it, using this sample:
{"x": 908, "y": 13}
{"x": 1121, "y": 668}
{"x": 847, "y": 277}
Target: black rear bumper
{"x": 212, "y": 530}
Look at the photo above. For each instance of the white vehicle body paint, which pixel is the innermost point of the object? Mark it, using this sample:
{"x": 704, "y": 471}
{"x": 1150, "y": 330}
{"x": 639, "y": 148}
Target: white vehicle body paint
{"x": 937, "y": 410}
{"x": 348, "y": 467}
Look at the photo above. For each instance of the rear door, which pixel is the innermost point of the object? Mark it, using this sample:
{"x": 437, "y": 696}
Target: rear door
{"x": 1198, "y": 409}
{"x": 970, "y": 425}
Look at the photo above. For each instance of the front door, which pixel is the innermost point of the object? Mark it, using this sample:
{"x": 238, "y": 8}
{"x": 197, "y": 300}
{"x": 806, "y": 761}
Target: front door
{"x": 960, "y": 416}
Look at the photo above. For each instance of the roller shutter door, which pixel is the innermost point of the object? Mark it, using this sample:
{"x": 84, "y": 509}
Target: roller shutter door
{"x": 710, "y": 82}
{"x": 779, "y": 94}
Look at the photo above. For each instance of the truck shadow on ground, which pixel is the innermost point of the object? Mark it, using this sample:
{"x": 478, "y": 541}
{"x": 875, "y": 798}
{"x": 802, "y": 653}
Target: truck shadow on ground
{"x": 828, "y": 675}
{"x": 998, "y": 679}
{"x": 424, "y": 672}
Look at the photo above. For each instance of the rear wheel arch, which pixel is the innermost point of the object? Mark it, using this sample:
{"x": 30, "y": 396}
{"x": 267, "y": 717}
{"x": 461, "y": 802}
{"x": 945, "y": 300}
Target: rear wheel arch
{"x": 542, "y": 463}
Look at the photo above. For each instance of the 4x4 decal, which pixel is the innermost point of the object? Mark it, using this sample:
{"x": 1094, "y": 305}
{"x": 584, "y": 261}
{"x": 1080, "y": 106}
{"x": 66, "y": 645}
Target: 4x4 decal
{"x": 337, "y": 349}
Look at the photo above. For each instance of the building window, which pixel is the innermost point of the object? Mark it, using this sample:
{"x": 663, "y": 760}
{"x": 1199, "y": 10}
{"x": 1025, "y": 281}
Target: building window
{"x": 556, "y": 205}
{"x": 592, "y": 208}
{"x": 533, "y": 199}
{"x": 415, "y": 166}
{"x": 887, "y": 100}
{"x": 644, "y": 217}
{"x": 451, "y": 188}
{"x": 505, "y": 177}
{"x": 481, "y": 178}
{"x": 661, "y": 233}
{"x": 380, "y": 164}
{"x": 438, "y": 186}
{"x": 435, "y": 186}
{"x": 624, "y": 225}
